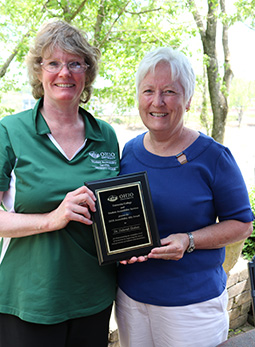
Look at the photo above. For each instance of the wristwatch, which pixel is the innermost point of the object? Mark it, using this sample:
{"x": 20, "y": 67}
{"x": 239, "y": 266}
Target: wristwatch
{"x": 191, "y": 243}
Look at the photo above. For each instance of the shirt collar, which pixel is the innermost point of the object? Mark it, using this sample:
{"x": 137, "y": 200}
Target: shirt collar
{"x": 92, "y": 128}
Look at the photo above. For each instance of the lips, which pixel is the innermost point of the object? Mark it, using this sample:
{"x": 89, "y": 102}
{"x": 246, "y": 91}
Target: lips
{"x": 158, "y": 115}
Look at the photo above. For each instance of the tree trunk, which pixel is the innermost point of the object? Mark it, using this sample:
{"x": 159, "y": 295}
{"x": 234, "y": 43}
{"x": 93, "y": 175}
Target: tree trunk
{"x": 218, "y": 88}
{"x": 204, "y": 118}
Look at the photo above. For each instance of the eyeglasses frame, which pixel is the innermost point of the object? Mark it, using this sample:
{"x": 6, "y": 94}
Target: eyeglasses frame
{"x": 85, "y": 67}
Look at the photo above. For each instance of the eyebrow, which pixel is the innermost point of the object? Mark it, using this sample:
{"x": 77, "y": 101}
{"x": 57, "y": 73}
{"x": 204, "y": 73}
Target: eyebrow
{"x": 152, "y": 86}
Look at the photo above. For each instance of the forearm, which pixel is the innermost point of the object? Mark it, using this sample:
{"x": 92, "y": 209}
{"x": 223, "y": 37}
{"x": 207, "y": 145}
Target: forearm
{"x": 21, "y": 225}
{"x": 211, "y": 237}
{"x": 221, "y": 234}
{"x": 76, "y": 206}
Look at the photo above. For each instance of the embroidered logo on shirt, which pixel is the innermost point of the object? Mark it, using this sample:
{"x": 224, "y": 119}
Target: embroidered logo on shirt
{"x": 103, "y": 160}
{"x": 94, "y": 155}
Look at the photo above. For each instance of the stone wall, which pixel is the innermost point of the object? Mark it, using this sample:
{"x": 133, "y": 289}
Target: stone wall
{"x": 238, "y": 286}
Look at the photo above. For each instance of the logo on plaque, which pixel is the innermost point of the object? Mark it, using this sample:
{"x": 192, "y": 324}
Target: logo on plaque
{"x": 112, "y": 198}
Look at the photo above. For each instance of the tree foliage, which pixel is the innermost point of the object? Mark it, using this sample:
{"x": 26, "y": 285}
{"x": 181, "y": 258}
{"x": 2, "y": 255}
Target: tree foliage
{"x": 124, "y": 30}
{"x": 245, "y": 12}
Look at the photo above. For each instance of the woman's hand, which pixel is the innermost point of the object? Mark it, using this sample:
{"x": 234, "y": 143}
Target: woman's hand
{"x": 211, "y": 237}
{"x": 173, "y": 247}
{"x": 76, "y": 206}
{"x": 133, "y": 260}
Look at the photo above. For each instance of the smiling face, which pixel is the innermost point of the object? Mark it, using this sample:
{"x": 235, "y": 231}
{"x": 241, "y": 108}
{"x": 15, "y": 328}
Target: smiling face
{"x": 63, "y": 86}
{"x": 161, "y": 101}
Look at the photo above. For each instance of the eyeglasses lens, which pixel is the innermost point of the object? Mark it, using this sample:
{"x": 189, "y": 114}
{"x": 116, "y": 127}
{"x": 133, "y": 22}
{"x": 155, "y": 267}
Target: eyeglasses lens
{"x": 57, "y": 66}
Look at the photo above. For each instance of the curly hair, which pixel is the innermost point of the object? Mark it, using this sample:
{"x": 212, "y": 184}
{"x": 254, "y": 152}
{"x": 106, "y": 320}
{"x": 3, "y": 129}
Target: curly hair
{"x": 69, "y": 39}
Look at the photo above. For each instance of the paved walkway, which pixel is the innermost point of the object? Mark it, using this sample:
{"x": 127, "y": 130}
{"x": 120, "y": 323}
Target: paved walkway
{"x": 246, "y": 339}
{"x": 243, "y": 329}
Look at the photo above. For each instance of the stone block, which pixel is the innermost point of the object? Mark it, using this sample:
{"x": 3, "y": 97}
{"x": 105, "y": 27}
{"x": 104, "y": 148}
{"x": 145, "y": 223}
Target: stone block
{"x": 245, "y": 308}
{"x": 239, "y": 321}
{"x": 247, "y": 285}
{"x": 238, "y": 273}
{"x": 237, "y": 289}
{"x": 241, "y": 265}
{"x": 242, "y": 298}
{"x": 233, "y": 252}
{"x": 113, "y": 339}
{"x": 234, "y": 313}
{"x": 232, "y": 279}
{"x": 230, "y": 303}
{"x": 243, "y": 275}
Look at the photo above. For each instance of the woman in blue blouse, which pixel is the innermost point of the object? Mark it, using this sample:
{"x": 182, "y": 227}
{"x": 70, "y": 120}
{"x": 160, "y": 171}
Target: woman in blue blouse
{"x": 178, "y": 296}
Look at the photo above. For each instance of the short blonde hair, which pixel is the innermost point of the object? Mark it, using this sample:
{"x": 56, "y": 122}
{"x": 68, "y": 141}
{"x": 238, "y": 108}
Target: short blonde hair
{"x": 69, "y": 39}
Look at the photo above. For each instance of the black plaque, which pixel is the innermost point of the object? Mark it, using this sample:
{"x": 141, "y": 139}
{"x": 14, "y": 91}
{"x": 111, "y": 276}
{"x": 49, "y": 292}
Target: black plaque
{"x": 124, "y": 224}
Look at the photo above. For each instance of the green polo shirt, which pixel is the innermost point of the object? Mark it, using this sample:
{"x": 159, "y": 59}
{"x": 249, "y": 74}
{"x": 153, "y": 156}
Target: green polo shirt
{"x": 51, "y": 277}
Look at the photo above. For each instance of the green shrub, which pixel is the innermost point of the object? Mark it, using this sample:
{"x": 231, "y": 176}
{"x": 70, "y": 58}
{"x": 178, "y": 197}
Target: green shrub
{"x": 249, "y": 245}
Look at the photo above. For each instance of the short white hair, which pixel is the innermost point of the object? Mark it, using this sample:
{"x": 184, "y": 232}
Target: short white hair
{"x": 180, "y": 66}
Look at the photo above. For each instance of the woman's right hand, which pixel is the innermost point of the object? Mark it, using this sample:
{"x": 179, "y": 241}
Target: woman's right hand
{"x": 133, "y": 260}
{"x": 76, "y": 206}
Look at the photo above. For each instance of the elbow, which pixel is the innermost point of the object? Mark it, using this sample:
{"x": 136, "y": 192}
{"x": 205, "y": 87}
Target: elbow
{"x": 249, "y": 229}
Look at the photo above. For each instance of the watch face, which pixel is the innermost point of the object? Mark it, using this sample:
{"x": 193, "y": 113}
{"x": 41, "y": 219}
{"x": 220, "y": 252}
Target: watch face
{"x": 190, "y": 249}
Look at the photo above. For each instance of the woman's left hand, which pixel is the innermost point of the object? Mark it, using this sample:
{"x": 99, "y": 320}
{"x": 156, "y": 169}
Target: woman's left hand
{"x": 211, "y": 237}
{"x": 173, "y": 247}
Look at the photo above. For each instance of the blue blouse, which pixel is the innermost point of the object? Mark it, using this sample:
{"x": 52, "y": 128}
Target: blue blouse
{"x": 186, "y": 197}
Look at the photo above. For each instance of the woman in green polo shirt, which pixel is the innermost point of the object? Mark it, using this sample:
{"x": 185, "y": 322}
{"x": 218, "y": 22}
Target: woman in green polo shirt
{"x": 53, "y": 291}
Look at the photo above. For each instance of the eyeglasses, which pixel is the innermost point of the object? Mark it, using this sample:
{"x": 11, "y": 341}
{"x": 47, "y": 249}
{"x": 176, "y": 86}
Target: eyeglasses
{"x": 56, "y": 66}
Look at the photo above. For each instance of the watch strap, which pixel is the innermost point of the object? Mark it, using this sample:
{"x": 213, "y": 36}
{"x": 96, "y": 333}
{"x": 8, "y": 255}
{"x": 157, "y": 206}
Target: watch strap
{"x": 191, "y": 243}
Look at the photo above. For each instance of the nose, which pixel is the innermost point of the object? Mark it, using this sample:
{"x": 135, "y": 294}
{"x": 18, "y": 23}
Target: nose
{"x": 64, "y": 70}
{"x": 158, "y": 99}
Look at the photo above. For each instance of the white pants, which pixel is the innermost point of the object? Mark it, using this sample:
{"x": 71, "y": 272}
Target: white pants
{"x": 204, "y": 324}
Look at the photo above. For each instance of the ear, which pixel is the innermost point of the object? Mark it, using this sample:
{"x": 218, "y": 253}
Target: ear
{"x": 188, "y": 105}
